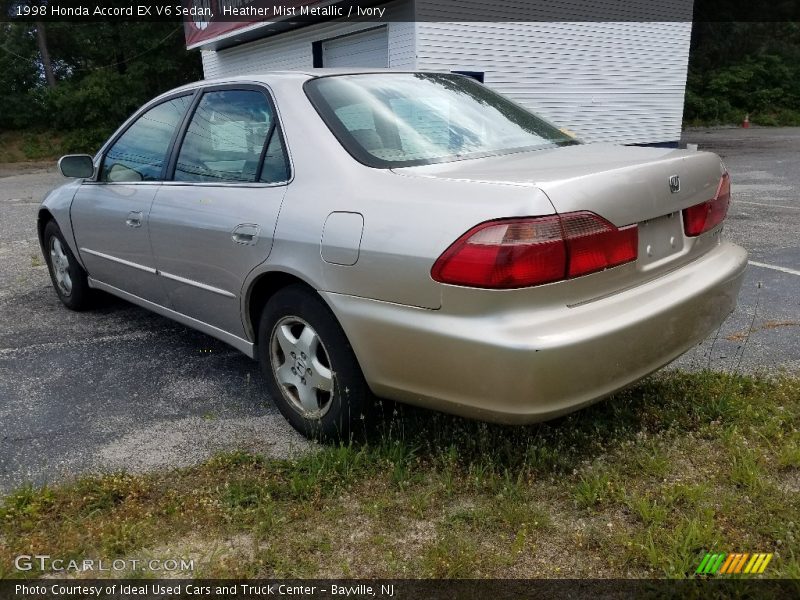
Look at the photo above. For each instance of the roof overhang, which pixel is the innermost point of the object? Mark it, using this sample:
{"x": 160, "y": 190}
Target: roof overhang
{"x": 225, "y": 30}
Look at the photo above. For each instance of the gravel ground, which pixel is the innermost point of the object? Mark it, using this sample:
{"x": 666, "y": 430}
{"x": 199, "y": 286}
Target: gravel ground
{"x": 121, "y": 388}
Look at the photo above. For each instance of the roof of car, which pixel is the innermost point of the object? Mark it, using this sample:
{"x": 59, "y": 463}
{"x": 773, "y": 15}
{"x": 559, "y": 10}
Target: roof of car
{"x": 298, "y": 74}
{"x": 308, "y": 73}
{"x": 301, "y": 73}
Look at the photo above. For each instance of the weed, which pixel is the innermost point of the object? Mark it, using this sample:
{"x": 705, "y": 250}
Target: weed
{"x": 649, "y": 511}
{"x": 789, "y": 454}
{"x": 451, "y": 556}
{"x": 245, "y": 495}
{"x": 592, "y": 490}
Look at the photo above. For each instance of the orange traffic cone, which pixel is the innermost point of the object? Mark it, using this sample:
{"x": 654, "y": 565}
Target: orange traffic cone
{"x": 746, "y": 122}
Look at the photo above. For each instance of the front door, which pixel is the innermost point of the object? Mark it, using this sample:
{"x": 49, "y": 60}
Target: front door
{"x": 110, "y": 215}
{"x": 214, "y": 221}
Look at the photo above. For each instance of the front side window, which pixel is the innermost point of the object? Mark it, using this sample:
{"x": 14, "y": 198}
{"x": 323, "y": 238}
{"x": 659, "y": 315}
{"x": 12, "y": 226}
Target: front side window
{"x": 231, "y": 138}
{"x": 139, "y": 153}
{"x": 398, "y": 120}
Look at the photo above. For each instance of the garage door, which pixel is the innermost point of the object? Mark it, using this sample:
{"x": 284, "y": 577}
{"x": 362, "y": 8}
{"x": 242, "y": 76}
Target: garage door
{"x": 365, "y": 49}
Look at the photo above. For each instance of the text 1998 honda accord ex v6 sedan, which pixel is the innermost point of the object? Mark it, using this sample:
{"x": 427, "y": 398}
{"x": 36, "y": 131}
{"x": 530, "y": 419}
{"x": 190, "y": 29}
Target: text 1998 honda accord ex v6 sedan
{"x": 411, "y": 236}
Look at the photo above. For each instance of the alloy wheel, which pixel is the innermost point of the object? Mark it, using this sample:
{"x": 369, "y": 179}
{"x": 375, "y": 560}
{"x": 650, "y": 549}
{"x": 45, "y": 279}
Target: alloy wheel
{"x": 301, "y": 367}
{"x": 60, "y": 262}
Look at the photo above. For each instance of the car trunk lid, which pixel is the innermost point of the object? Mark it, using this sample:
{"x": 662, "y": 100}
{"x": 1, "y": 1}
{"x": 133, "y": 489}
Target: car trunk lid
{"x": 648, "y": 187}
{"x": 623, "y": 184}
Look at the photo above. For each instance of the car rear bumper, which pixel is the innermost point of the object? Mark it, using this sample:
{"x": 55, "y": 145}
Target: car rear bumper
{"x": 524, "y": 366}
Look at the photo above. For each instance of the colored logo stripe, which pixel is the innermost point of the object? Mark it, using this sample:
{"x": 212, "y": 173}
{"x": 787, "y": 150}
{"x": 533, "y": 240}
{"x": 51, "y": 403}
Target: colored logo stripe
{"x": 731, "y": 564}
{"x": 710, "y": 564}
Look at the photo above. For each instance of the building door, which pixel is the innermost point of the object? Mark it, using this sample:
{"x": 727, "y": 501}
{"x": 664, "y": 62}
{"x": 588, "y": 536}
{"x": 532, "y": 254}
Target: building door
{"x": 366, "y": 49}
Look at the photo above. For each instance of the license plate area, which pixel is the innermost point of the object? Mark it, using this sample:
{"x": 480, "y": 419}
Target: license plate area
{"x": 660, "y": 240}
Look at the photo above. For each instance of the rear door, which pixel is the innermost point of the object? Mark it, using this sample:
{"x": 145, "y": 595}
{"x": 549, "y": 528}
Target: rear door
{"x": 213, "y": 222}
{"x": 110, "y": 215}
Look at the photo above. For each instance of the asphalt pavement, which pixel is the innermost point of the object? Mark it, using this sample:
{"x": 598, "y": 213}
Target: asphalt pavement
{"x": 119, "y": 388}
{"x": 763, "y": 334}
{"x": 115, "y": 388}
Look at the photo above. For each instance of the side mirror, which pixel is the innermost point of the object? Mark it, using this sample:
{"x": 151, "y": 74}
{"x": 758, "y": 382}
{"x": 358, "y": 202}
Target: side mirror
{"x": 78, "y": 166}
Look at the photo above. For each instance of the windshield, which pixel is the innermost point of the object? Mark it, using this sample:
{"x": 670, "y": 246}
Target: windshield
{"x": 399, "y": 120}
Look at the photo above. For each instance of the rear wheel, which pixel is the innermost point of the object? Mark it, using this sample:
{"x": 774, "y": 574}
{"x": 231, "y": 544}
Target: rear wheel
{"x": 68, "y": 277}
{"x": 311, "y": 370}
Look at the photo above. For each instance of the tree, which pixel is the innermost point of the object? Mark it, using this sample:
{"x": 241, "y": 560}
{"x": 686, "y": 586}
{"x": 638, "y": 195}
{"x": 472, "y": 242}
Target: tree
{"x": 87, "y": 76}
{"x": 744, "y": 68}
{"x": 44, "y": 54}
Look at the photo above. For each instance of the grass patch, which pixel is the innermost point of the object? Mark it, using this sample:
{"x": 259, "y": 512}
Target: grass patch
{"x": 21, "y": 146}
{"x": 639, "y": 485}
{"x": 43, "y": 145}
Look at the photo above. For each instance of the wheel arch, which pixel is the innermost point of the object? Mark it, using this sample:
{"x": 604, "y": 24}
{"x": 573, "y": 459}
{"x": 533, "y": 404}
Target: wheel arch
{"x": 261, "y": 290}
{"x": 43, "y": 217}
{"x": 57, "y": 207}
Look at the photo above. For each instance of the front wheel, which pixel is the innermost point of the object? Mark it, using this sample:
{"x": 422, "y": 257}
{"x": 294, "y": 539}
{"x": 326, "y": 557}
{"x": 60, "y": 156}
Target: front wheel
{"x": 68, "y": 277}
{"x": 311, "y": 370}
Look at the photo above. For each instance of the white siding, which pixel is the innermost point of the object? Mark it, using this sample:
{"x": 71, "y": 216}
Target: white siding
{"x": 554, "y": 10}
{"x": 292, "y": 50}
{"x": 620, "y": 82}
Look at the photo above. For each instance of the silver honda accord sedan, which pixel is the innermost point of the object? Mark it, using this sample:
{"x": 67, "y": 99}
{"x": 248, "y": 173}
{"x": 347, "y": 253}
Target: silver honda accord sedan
{"x": 409, "y": 236}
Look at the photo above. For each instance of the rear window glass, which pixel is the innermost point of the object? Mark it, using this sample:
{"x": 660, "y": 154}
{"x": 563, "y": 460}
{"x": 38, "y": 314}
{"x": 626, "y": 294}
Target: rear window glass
{"x": 397, "y": 119}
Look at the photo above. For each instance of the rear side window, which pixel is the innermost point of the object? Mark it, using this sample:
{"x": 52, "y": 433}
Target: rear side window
{"x": 139, "y": 153}
{"x": 276, "y": 166}
{"x": 232, "y": 137}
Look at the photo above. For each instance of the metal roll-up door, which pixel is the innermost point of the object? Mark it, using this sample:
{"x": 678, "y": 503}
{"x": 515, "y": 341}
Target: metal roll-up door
{"x": 364, "y": 49}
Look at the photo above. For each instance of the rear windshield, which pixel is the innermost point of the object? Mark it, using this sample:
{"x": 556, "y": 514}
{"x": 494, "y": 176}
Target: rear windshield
{"x": 400, "y": 120}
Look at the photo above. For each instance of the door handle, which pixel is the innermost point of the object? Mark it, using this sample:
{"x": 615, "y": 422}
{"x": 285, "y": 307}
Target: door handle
{"x": 246, "y": 234}
{"x": 134, "y": 219}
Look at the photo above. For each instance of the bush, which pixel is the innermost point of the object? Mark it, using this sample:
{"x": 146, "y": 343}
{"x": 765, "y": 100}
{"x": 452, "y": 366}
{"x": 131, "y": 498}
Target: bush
{"x": 709, "y": 109}
{"x": 85, "y": 141}
{"x": 765, "y": 87}
{"x": 782, "y": 117}
{"x": 101, "y": 101}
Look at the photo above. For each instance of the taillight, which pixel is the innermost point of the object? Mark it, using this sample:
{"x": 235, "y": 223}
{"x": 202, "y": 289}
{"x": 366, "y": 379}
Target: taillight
{"x": 511, "y": 253}
{"x": 704, "y": 217}
{"x": 595, "y": 244}
{"x": 516, "y": 253}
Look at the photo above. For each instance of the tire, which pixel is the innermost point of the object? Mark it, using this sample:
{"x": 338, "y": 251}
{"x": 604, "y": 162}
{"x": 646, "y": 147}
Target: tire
{"x": 311, "y": 370}
{"x": 68, "y": 277}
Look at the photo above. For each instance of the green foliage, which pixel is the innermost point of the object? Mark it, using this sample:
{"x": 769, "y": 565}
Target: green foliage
{"x": 452, "y": 556}
{"x": 35, "y": 146}
{"x": 737, "y": 69}
{"x": 19, "y": 78}
{"x": 98, "y": 98}
{"x": 85, "y": 141}
{"x": 592, "y": 490}
{"x": 104, "y": 71}
{"x": 27, "y": 503}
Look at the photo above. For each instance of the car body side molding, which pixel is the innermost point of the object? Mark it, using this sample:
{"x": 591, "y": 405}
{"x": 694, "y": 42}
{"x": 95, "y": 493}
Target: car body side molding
{"x": 248, "y": 348}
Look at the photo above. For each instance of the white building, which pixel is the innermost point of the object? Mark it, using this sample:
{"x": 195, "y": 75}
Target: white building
{"x": 620, "y": 80}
